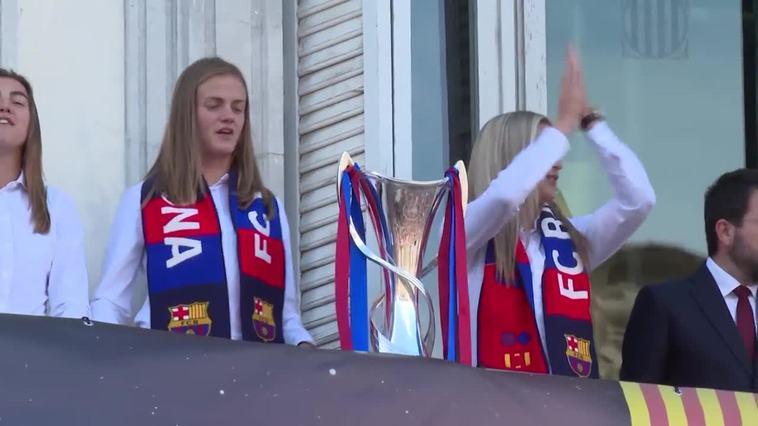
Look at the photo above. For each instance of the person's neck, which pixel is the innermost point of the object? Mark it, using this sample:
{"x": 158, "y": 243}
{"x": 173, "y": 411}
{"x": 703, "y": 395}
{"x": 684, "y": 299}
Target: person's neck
{"x": 528, "y": 222}
{"x": 10, "y": 166}
{"x": 731, "y": 268}
{"x": 215, "y": 168}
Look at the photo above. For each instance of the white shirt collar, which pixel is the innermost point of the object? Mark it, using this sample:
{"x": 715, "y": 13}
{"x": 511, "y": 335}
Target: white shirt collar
{"x": 223, "y": 180}
{"x": 724, "y": 280}
{"x": 17, "y": 183}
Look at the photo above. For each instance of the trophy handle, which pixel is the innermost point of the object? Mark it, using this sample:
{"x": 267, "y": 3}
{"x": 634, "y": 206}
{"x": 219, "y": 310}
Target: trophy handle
{"x": 463, "y": 177}
{"x": 409, "y": 278}
{"x": 345, "y": 161}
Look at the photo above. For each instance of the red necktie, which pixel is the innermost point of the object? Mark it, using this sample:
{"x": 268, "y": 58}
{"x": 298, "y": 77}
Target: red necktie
{"x": 745, "y": 319}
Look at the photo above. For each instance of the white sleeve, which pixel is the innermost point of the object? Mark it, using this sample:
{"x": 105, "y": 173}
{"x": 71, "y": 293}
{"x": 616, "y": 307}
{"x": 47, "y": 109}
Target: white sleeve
{"x": 113, "y": 298}
{"x": 294, "y": 331}
{"x": 500, "y": 202}
{"x": 612, "y": 224}
{"x": 67, "y": 286}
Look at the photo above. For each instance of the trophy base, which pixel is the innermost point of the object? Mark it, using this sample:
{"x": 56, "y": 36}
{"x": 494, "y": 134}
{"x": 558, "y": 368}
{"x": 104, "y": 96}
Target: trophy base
{"x": 404, "y": 339}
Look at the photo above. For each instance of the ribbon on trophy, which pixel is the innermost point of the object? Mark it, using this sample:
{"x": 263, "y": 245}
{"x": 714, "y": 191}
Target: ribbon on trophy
{"x": 455, "y": 315}
{"x": 351, "y": 295}
{"x": 351, "y": 289}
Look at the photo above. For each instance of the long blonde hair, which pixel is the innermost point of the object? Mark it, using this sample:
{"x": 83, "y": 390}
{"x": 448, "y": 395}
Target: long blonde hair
{"x": 499, "y": 141}
{"x": 177, "y": 172}
{"x": 31, "y": 160}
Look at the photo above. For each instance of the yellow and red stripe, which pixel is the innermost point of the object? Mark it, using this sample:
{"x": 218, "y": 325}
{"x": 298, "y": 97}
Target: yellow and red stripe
{"x": 658, "y": 405}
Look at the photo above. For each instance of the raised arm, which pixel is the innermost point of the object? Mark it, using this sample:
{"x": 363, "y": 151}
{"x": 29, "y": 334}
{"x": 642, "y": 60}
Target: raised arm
{"x": 500, "y": 202}
{"x": 612, "y": 224}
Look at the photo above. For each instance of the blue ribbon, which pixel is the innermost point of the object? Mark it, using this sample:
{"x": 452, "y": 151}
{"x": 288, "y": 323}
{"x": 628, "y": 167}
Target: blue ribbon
{"x": 452, "y": 281}
{"x": 358, "y": 291}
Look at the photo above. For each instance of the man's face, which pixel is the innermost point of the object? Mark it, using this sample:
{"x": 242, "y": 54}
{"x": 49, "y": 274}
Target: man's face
{"x": 744, "y": 248}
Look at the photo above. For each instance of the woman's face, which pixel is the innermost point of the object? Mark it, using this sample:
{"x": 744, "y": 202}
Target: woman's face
{"x": 548, "y": 186}
{"x": 14, "y": 114}
{"x": 220, "y": 114}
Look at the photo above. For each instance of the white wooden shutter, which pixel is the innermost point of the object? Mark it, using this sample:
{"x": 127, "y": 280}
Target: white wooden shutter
{"x": 330, "y": 110}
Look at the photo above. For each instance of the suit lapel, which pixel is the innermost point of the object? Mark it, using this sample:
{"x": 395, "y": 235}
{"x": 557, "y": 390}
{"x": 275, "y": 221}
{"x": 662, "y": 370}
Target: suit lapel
{"x": 707, "y": 294}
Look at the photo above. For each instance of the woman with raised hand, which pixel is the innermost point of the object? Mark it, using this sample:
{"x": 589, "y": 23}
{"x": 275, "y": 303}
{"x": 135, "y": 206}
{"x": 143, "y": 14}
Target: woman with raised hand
{"x": 528, "y": 263}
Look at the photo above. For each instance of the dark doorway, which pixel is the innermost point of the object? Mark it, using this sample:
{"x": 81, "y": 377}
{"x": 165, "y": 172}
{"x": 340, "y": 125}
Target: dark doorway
{"x": 749, "y": 36}
{"x": 458, "y": 41}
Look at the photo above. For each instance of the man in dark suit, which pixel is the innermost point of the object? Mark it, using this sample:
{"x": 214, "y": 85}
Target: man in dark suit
{"x": 701, "y": 331}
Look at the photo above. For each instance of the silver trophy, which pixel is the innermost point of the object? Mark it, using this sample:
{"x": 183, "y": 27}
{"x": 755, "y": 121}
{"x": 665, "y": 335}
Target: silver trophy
{"x": 409, "y": 207}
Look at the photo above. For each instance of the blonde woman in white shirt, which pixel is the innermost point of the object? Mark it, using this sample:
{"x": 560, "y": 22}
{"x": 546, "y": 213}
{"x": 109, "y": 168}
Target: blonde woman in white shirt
{"x": 529, "y": 264}
{"x": 42, "y": 262}
{"x": 211, "y": 240}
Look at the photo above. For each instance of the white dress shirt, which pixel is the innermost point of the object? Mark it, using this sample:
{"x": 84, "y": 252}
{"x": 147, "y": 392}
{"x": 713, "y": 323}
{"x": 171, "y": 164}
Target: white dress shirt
{"x": 125, "y": 262}
{"x": 727, "y": 284}
{"x": 41, "y": 274}
{"x": 606, "y": 229}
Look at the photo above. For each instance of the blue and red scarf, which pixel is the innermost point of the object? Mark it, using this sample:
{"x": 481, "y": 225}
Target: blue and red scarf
{"x": 185, "y": 267}
{"x": 508, "y": 334}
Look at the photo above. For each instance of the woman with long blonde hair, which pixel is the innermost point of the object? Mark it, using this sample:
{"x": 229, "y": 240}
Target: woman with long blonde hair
{"x": 210, "y": 238}
{"x": 43, "y": 270}
{"x": 528, "y": 263}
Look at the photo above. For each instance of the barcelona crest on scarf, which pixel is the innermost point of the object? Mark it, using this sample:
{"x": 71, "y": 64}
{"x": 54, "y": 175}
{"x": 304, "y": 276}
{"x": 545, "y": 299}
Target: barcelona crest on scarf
{"x": 185, "y": 267}
{"x": 508, "y": 334}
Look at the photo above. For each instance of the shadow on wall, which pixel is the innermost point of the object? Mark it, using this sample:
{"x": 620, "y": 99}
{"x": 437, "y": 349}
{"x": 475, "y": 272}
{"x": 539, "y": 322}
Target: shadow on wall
{"x": 615, "y": 285}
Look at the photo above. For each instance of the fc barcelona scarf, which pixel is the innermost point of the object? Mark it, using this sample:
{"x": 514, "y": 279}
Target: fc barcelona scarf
{"x": 508, "y": 333}
{"x": 185, "y": 267}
